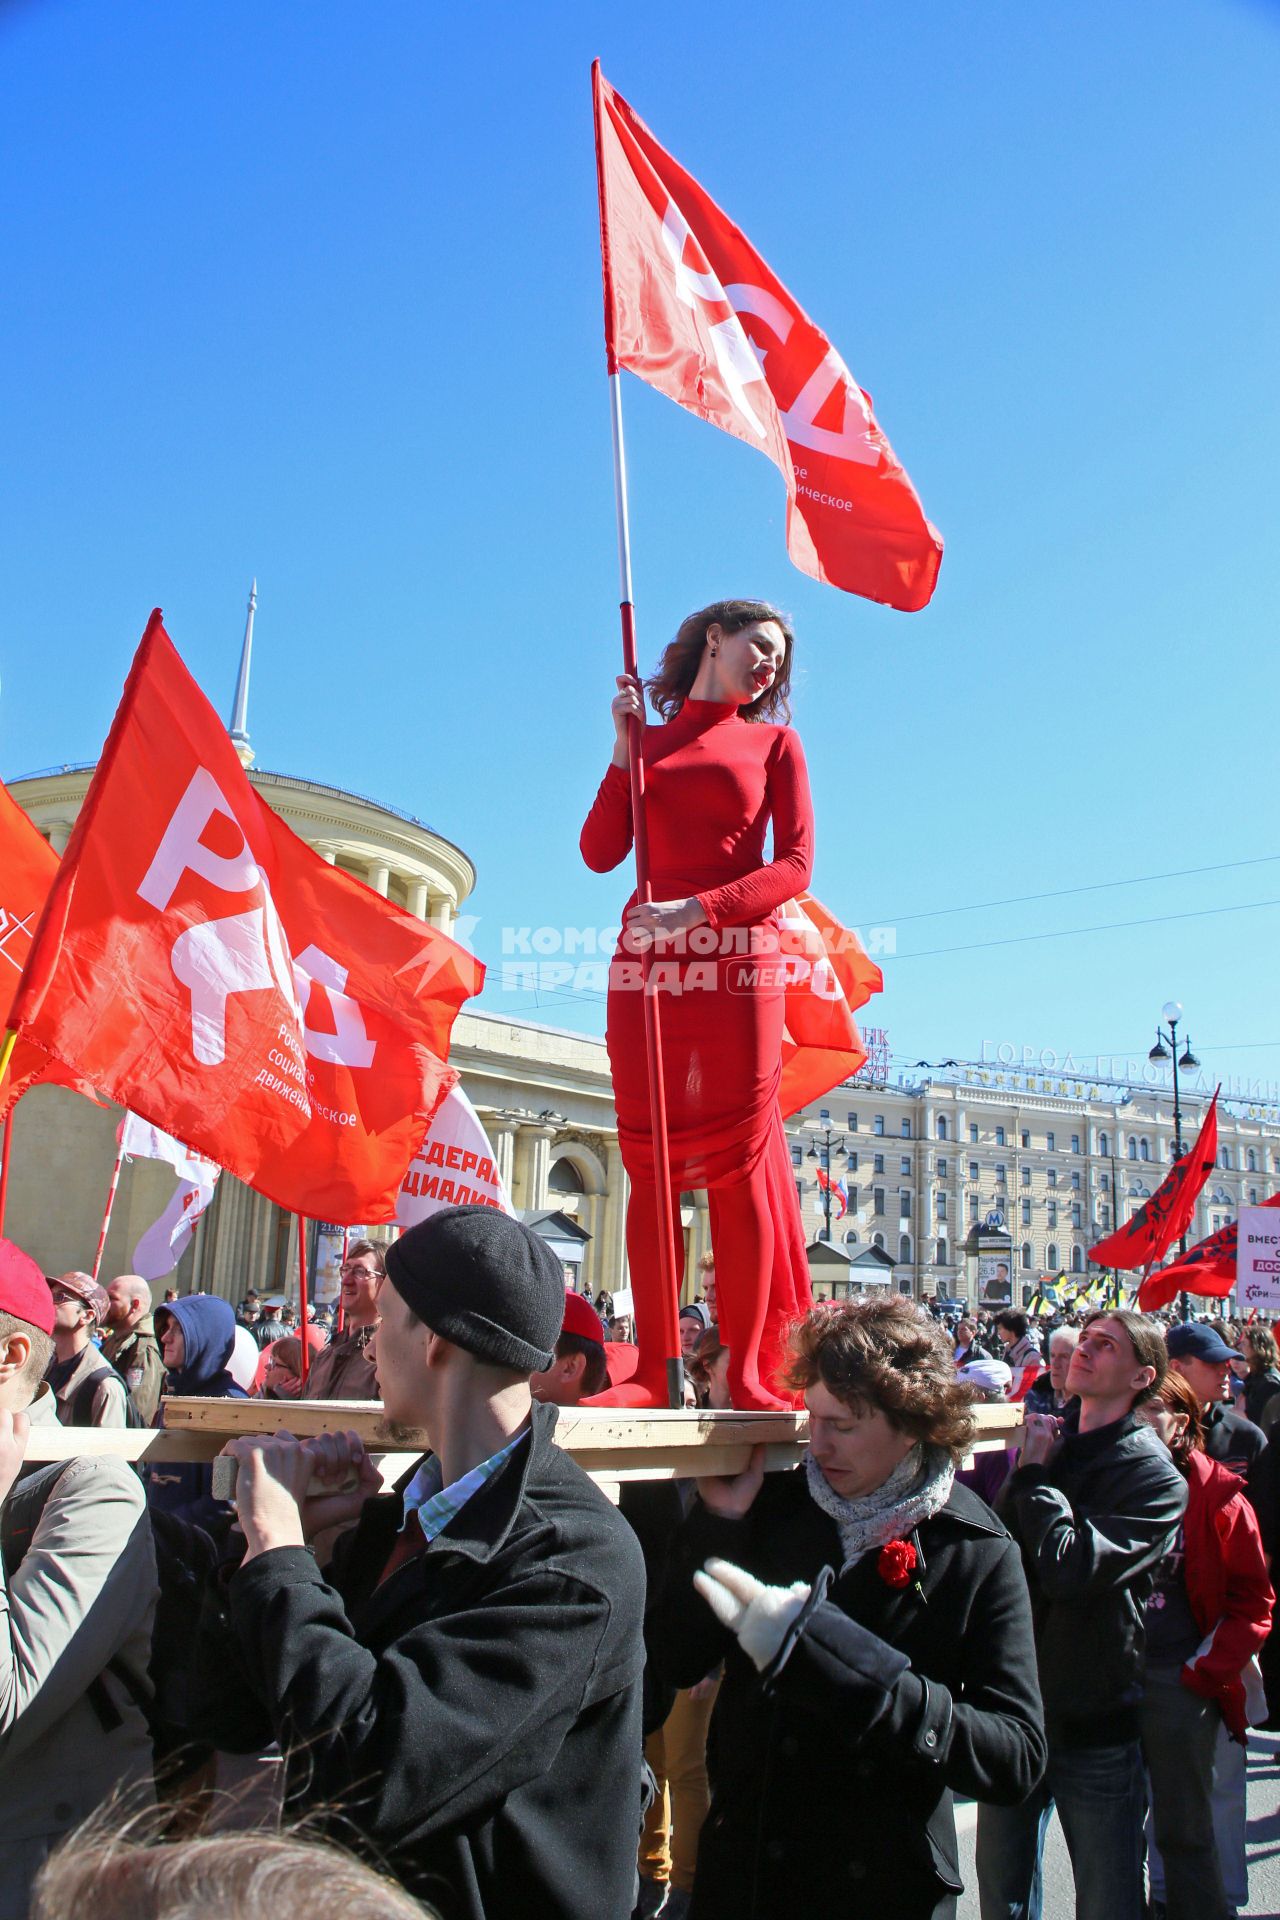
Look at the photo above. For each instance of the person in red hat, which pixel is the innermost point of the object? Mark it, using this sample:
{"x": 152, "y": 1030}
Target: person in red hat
{"x": 77, "y": 1600}
{"x": 580, "y": 1366}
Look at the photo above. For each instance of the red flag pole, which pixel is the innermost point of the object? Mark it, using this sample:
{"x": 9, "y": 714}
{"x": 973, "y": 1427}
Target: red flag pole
{"x": 302, "y": 1296}
{"x": 4, "y": 1161}
{"x": 106, "y": 1212}
{"x": 669, "y": 1330}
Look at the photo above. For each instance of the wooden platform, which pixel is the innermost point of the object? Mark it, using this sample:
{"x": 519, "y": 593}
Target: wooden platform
{"x": 609, "y": 1443}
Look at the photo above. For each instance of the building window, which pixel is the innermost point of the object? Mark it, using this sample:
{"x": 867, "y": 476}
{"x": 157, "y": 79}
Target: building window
{"x": 1144, "y": 1149}
{"x": 1026, "y": 1213}
{"x": 940, "y": 1206}
{"x": 1224, "y": 1158}
{"x": 797, "y": 1154}
{"x": 1077, "y": 1259}
{"x": 1104, "y": 1182}
{"x": 1133, "y": 1148}
{"x": 1104, "y": 1218}
{"x": 824, "y": 1233}
{"x": 904, "y": 1204}
{"x": 942, "y": 1168}
{"x": 1104, "y": 1144}
{"x": 942, "y": 1126}
{"x": 942, "y": 1253}
{"x": 1049, "y": 1146}
{"x": 973, "y": 1169}
{"x": 1026, "y": 1256}
{"x": 973, "y": 1134}
{"x": 852, "y": 1122}
{"x": 877, "y": 1200}
{"x": 999, "y": 1136}
{"x": 851, "y": 1238}
{"x": 1250, "y": 1161}
{"x": 824, "y": 1116}
{"x": 974, "y": 1205}
{"x": 906, "y": 1129}
{"x": 904, "y": 1164}
{"x": 1026, "y": 1176}
{"x": 853, "y": 1203}
{"x": 1075, "y": 1143}
{"x": 877, "y": 1164}
{"x": 904, "y": 1249}
{"x": 1026, "y": 1138}
{"x": 877, "y": 1240}
{"x": 800, "y": 1191}
{"x": 877, "y": 1126}
{"x": 999, "y": 1173}
{"x": 1052, "y": 1220}
{"x": 1075, "y": 1182}
{"x": 1052, "y": 1176}
{"x": 1077, "y": 1214}
{"x": 853, "y": 1163}
{"x": 1253, "y": 1196}
{"x": 1053, "y": 1258}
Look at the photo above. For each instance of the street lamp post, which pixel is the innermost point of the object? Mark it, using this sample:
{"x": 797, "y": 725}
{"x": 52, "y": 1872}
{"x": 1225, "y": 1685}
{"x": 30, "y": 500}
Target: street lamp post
{"x": 1172, "y": 1012}
{"x": 829, "y": 1141}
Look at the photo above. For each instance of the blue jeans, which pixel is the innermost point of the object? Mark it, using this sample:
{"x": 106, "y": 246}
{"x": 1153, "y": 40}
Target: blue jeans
{"x": 1101, "y": 1797}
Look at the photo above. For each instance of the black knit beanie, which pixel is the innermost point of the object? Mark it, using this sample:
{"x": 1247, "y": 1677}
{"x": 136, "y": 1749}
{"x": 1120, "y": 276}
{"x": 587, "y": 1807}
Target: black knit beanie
{"x": 484, "y": 1281}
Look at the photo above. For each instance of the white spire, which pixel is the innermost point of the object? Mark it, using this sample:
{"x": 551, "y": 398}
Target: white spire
{"x": 240, "y": 714}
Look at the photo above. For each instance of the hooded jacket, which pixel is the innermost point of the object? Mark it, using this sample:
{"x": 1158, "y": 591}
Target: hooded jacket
{"x": 1227, "y": 1587}
{"x": 208, "y": 1331}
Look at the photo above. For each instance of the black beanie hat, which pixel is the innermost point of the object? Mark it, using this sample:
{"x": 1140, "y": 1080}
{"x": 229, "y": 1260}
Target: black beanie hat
{"x": 484, "y": 1281}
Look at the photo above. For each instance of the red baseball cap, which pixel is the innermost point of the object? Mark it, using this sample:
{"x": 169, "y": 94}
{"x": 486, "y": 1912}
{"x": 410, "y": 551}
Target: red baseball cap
{"x": 580, "y": 1317}
{"x": 24, "y": 1291}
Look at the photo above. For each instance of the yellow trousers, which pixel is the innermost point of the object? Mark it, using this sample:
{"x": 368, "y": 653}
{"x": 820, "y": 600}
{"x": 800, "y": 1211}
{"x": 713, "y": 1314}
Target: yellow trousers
{"x": 677, "y": 1752}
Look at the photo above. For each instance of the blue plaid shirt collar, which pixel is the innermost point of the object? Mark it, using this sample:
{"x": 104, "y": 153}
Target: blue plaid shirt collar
{"x": 436, "y": 1505}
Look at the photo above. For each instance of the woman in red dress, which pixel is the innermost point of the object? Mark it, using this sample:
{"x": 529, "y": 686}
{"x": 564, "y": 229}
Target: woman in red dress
{"x": 720, "y": 770}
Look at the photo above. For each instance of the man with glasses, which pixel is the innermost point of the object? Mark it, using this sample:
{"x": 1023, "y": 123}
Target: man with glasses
{"x": 344, "y": 1370}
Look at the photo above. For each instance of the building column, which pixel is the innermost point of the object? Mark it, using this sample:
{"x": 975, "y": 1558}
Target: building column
{"x": 533, "y": 1165}
{"x": 380, "y": 877}
{"x": 614, "y": 1265}
{"x": 328, "y": 854}
{"x": 502, "y": 1138}
{"x": 441, "y": 911}
{"x": 419, "y": 898}
{"x": 59, "y": 834}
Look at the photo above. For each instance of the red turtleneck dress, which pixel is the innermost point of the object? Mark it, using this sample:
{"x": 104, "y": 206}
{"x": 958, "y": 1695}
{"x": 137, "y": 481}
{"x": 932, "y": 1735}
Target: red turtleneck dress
{"x": 714, "y": 783}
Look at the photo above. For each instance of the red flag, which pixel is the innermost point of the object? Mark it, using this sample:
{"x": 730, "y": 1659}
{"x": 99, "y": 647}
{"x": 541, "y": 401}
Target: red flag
{"x": 692, "y": 308}
{"x": 1158, "y": 1222}
{"x": 1208, "y": 1268}
{"x": 828, "y": 974}
{"x": 203, "y": 966}
{"x": 27, "y": 867}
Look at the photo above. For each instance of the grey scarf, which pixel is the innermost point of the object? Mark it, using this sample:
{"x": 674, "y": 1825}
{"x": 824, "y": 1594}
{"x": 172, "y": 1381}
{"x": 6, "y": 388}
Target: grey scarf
{"x": 919, "y": 1486}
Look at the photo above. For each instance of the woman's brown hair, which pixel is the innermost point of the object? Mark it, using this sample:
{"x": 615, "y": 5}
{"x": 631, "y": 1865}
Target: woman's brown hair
{"x": 669, "y": 687}
{"x": 885, "y": 1356}
{"x": 1262, "y": 1348}
{"x": 1175, "y": 1393}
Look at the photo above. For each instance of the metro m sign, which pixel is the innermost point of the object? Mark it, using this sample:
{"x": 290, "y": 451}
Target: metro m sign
{"x": 205, "y": 967}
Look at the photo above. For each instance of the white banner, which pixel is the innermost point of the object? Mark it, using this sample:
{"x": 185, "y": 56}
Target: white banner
{"x": 1258, "y": 1260}
{"x": 163, "y": 1245}
{"x": 454, "y": 1166}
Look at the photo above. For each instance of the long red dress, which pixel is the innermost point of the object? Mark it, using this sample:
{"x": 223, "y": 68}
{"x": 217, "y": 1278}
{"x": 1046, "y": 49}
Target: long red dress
{"x": 714, "y": 784}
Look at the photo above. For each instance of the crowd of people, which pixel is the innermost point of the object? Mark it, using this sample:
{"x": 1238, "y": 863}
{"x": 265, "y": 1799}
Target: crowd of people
{"x": 744, "y": 1696}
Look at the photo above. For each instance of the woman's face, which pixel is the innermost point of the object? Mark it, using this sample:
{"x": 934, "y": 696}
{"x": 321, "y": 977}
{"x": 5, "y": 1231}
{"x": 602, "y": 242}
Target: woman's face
{"x": 749, "y": 661}
{"x": 1169, "y": 1425}
{"x": 280, "y": 1377}
{"x": 1244, "y": 1355}
{"x": 855, "y": 1451}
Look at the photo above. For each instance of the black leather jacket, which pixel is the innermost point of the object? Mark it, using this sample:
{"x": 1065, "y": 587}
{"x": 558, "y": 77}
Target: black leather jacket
{"x": 1093, "y": 1524}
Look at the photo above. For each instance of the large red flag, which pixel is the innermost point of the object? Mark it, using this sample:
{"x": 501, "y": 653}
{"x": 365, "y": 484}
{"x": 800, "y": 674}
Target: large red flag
{"x": 1208, "y": 1268}
{"x": 828, "y": 973}
{"x": 201, "y": 964}
{"x": 1169, "y": 1212}
{"x": 27, "y": 867}
{"x": 692, "y": 308}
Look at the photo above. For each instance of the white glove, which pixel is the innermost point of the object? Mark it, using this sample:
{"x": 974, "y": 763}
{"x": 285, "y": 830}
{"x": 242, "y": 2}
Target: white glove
{"x": 759, "y": 1615}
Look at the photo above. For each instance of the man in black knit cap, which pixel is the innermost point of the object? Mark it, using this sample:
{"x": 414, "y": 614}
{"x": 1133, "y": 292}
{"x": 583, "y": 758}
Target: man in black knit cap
{"x": 459, "y": 1690}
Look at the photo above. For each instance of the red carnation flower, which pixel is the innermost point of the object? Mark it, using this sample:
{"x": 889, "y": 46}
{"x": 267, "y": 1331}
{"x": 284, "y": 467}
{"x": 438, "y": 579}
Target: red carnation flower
{"x": 897, "y": 1562}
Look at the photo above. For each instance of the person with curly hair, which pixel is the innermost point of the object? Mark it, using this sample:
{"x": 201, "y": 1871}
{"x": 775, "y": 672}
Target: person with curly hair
{"x": 721, "y": 772}
{"x": 876, "y": 1633}
{"x": 1257, "y": 1371}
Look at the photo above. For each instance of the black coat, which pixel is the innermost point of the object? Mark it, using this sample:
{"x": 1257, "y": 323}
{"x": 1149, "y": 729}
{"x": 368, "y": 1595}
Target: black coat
{"x": 832, "y": 1773}
{"x": 476, "y": 1718}
{"x": 1094, "y": 1522}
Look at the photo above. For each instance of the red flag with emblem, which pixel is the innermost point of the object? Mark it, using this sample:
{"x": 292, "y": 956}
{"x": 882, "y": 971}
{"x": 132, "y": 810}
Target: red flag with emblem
{"x": 200, "y": 963}
{"x": 828, "y": 974}
{"x": 1208, "y": 1268}
{"x": 692, "y": 308}
{"x": 1169, "y": 1212}
{"x": 27, "y": 868}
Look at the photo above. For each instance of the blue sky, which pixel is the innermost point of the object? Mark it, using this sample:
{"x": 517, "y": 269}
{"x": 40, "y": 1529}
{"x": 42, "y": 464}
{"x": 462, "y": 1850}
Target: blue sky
{"x": 312, "y": 292}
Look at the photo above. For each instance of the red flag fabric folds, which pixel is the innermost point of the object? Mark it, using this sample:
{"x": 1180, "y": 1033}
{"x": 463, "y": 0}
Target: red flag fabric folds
{"x": 27, "y": 868}
{"x": 828, "y": 975}
{"x": 1158, "y": 1222}
{"x": 205, "y": 967}
{"x": 1208, "y": 1268}
{"x": 692, "y": 309}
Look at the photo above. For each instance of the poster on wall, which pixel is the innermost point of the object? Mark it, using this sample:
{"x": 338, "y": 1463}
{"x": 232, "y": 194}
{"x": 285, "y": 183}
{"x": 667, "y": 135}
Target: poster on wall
{"x": 327, "y": 1277}
{"x": 995, "y": 1278}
